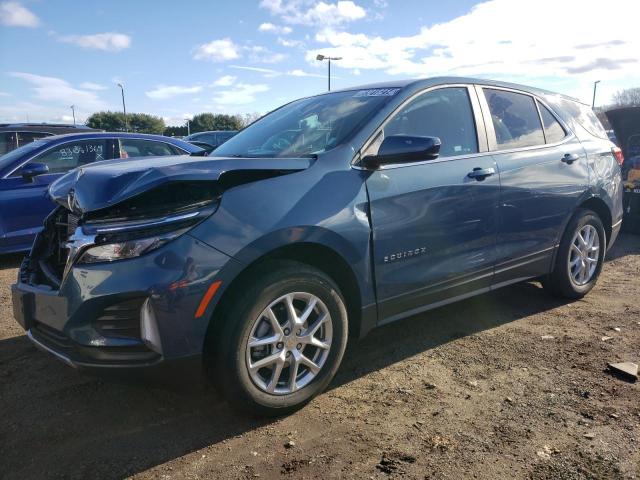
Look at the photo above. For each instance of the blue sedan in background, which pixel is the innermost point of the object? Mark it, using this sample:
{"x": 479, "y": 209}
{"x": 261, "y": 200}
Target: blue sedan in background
{"x": 27, "y": 172}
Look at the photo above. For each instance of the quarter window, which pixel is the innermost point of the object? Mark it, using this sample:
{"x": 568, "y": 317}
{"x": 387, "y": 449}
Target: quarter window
{"x": 515, "y": 119}
{"x": 70, "y": 155}
{"x": 445, "y": 113}
{"x": 553, "y": 131}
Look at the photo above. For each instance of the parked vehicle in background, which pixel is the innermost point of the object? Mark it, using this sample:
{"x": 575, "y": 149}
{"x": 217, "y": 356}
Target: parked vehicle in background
{"x": 205, "y": 146}
{"x": 27, "y": 172}
{"x": 210, "y": 140}
{"x": 323, "y": 219}
{"x": 14, "y": 135}
{"x": 626, "y": 125}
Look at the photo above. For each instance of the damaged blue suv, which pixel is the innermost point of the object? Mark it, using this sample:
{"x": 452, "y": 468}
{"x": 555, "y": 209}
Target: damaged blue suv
{"x": 329, "y": 216}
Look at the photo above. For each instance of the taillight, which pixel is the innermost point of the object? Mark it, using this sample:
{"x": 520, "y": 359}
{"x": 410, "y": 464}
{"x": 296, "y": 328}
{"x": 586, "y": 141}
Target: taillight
{"x": 618, "y": 154}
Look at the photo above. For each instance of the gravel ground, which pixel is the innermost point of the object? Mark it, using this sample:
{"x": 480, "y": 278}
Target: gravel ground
{"x": 511, "y": 384}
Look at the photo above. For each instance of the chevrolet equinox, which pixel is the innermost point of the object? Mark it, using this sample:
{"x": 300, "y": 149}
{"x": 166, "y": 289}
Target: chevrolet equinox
{"x": 327, "y": 217}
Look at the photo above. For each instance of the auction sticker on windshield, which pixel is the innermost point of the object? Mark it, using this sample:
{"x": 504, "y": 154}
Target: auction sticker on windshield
{"x": 377, "y": 92}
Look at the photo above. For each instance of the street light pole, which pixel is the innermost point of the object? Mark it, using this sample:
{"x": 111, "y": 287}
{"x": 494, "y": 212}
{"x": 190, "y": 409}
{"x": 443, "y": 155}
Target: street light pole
{"x": 73, "y": 111}
{"x": 320, "y": 58}
{"x": 124, "y": 108}
{"x": 595, "y": 86}
{"x": 188, "y": 127}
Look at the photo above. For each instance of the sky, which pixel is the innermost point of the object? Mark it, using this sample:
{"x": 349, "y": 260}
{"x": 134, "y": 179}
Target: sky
{"x": 177, "y": 59}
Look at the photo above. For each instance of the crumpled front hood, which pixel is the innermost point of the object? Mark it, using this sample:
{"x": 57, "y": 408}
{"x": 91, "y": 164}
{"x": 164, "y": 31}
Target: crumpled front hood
{"x": 108, "y": 183}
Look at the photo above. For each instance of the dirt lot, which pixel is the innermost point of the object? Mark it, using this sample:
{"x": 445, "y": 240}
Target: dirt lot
{"x": 467, "y": 391}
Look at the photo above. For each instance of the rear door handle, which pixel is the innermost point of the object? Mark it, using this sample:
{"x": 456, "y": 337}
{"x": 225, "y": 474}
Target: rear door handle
{"x": 481, "y": 173}
{"x": 569, "y": 158}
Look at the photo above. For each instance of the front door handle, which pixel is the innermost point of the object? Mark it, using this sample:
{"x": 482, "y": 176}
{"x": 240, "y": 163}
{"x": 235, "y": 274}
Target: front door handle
{"x": 481, "y": 173}
{"x": 569, "y": 158}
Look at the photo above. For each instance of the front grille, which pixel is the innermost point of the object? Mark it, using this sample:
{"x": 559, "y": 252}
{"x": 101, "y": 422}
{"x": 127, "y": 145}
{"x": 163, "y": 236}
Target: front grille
{"x": 51, "y": 337}
{"x": 62, "y": 344}
{"x": 120, "y": 320}
{"x": 65, "y": 224}
{"x": 45, "y": 265}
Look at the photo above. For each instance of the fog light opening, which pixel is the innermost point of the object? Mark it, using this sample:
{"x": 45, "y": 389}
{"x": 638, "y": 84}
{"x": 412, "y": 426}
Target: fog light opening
{"x": 149, "y": 327}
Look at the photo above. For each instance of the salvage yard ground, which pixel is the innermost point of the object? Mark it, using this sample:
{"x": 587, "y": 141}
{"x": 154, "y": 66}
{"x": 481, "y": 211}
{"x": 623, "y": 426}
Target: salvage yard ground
{"x": 506, "y": 385}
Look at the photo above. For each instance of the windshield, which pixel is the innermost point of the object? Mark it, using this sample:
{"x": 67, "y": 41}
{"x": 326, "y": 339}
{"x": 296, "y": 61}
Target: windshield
{"x": 308, "y": 126}
{"x": 8, "y": 158}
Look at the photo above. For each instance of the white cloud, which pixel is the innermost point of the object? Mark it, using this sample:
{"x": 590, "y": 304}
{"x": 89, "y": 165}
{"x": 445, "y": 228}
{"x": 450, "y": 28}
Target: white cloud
{"x": 285, "y": 42}
{"x": 177, "y": 120}
{"x": 320, "y": 14}
{"x": 224, "y": 81}
{"x": 217, "y": 51}
{"x": 162, "y": 92}
{"x": 4, "y": 94}
{"x": 109, "y": 41}
{"x": 61, "y": 93}
{"x": 240, "y": 94}
{"x": 268, "y": 72}
{"x": 302, "y": 73}
{"x": 13, "y": 14}
{"x": 92, "y": 86}
{"x": 482, "y": 42}
{"x": 260, "y": 54}
{"x": 271, "y": 28}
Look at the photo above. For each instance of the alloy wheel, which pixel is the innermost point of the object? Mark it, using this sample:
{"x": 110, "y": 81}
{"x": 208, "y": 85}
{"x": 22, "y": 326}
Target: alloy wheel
{"x": 583, "y": 255}
{"x": 289, "y": 343}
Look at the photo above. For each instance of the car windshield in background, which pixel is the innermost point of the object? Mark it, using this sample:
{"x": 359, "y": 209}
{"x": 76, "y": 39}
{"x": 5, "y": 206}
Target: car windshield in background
{"x": 8, "y": 158}
{"x": 308, "y": 126}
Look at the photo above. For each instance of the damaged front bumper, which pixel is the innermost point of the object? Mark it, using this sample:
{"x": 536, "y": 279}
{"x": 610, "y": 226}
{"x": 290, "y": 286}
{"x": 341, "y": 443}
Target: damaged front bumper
{"x": 131, "y": 313}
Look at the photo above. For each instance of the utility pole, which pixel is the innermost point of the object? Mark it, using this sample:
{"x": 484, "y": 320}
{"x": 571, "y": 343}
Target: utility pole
{"x": 188, "y": 127}
{"x": 320, "y": 58}
{"x": 595, "y": 86}
{"x": 73, "y": 112}
{"x": 124, "y": 109}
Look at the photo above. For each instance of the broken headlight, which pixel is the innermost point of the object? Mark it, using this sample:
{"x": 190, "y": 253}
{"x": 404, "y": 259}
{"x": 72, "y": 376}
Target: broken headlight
{"x": 130, "y": 239}
{"x": 110, "y": 252}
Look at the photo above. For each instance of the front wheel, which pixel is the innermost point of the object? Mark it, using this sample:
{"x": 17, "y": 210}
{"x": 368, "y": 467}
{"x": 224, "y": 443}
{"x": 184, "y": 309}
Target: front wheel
{"x": 282, "y": 340}
{"x": 580, "y": 257}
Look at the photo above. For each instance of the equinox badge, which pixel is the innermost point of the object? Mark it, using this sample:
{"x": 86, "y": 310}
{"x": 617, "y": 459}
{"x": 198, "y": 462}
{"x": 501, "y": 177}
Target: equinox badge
{"x": 406, "y": 254}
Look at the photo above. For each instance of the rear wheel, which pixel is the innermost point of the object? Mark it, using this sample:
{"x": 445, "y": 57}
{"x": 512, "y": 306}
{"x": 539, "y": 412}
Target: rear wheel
{"x": 282, "y": 340}
{"x": 580, "y": 257}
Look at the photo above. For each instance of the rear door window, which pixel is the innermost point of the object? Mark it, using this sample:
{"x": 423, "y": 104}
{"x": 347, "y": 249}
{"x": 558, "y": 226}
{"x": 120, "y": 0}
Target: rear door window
{"x": 445, "y": 113}
{"x": 515, "y": 119}
{"x": 133, "y": 147}
{"x": 553, "y": 131}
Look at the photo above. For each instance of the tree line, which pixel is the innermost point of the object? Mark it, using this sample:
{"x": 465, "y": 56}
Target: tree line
{"x": 145, "y": 123}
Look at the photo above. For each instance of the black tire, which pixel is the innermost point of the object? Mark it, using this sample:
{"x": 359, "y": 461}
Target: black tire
{"x": 227, "y": 365}
{"x": 560, "y": 282}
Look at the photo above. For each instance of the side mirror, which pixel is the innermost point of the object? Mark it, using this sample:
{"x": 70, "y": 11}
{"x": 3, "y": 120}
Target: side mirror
{"x": 404, "y": 149}
{"x": 33, "y": 170}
